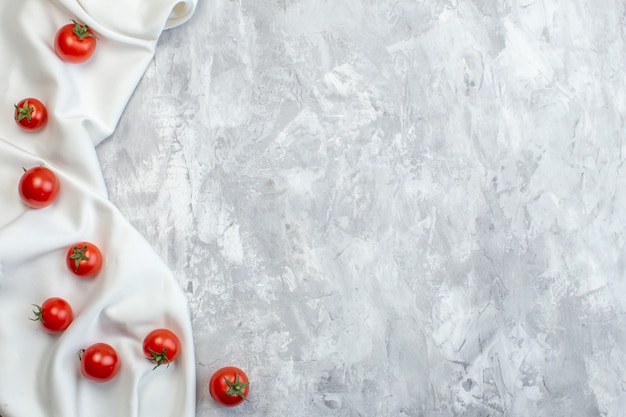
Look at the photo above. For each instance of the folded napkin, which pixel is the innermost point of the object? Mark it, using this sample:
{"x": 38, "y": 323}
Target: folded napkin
{"x": 134, "y": 292}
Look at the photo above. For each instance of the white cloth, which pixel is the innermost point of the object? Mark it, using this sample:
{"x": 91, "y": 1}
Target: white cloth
{"x": 135, "y": 292}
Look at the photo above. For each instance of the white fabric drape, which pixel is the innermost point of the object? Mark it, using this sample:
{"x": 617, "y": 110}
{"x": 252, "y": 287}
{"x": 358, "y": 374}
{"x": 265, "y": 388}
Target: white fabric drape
{"x": 135, "y": 292}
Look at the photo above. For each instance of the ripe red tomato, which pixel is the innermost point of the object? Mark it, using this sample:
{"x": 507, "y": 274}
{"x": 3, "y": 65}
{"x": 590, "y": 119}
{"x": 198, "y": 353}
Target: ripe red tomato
{"x": 99, "y": 362}
{"x": 161, "y": 346}
{"x": 84, "y": 259}
{"x": 229, "y": 386}
{"x": 30, "y": 114}
{"x": 38, "y": 187}
{"x": 75, "y": 43}
{"x": 55, "y": 314}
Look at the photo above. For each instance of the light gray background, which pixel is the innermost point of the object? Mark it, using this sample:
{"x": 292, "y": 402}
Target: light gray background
{"x": 391, "y": 208}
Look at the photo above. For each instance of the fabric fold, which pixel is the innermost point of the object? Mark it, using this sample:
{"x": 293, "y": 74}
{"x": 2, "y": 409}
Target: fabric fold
{"x": 135, "y": 292}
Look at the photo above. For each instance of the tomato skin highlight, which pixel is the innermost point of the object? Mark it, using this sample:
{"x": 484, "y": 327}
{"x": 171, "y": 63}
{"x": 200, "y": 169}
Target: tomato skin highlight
{"x": 161, "y": 346}
{"x": 84, "y": 259}
{"x": 99, "y": 362}
{"x": 74, "y": 43}
{"x": 38, "y": 187}
{"x": 30, "y": 114}
{"x": 55, "y": 315}
{"x": 229, "y": 386}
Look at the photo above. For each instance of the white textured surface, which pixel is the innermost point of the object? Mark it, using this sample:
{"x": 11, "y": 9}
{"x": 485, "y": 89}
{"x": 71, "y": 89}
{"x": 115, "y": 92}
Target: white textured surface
{"x": 407, "y": 208}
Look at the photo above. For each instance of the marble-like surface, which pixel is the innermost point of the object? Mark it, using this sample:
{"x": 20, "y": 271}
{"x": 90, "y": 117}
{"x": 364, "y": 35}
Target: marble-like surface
{"x": 391, "y": 208}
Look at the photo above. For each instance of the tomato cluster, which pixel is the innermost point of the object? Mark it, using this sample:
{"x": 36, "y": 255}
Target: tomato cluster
{"x": 39, "y": 188}
{"x": 74, "y": 43}
{"x": 100, "y": 362}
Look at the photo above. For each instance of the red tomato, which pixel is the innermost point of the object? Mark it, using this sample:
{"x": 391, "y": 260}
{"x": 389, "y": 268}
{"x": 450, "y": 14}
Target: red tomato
{"x": 75, "y": 43}
{"x": 84, "y": 259}
{"x": 38, "y": 187}
{"x": 99, "y": 362}
{"x": 30, "y": 114}
{"x": 161, "y": 346}
{"x": 229, "y": 386}
{"x": 55, "y": 314}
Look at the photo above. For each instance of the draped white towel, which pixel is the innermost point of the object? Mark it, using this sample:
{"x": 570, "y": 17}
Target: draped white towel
{"x": 135, "y": 292}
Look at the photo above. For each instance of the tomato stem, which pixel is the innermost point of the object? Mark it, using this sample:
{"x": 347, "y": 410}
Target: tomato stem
{"x": 159, "y": 358}
{"x": 237, "y": 387}
{"x": 38, "y": 314}
{"x": 82, "y": 31}
{"x": 79, "y": 255}
{"x": 24, "y": 112}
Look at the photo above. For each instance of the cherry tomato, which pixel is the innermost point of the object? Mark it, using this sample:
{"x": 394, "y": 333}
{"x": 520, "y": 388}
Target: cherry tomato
{"x": 38, "y": 187}
{"x": 30, "y": 114}
{"x": 55, "y": 314}
{"x": 84, "y": 259}
{"x": 229, "y": 386}
{"x": 99, "y": 362}
{"x": 75, "y": 43}
{"x": 161, "y": 346}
